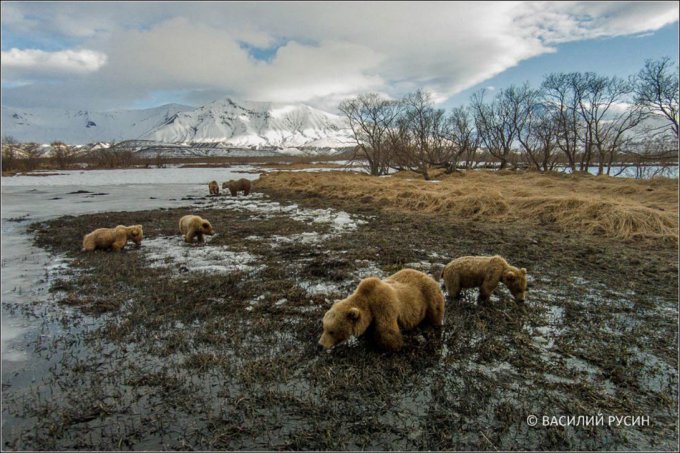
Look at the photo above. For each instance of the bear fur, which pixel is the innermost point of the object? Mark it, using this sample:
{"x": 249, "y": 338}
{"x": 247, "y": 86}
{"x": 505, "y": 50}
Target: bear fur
{"x": 484, "y": 272}
{"x": 112, "y": 238}
{"x": 214, "y": 188}
{"x": 235, "y": 186}
{"x": 194, "y": 226}
{"x": 400, "y": 301}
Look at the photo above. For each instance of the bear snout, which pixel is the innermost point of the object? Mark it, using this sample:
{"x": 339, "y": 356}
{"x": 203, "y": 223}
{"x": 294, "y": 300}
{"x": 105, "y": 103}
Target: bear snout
{"x": 325, "y": 342}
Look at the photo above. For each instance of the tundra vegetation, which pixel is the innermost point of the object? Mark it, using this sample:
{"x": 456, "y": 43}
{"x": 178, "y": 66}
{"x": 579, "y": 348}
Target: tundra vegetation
{"x": 214, "y": 347}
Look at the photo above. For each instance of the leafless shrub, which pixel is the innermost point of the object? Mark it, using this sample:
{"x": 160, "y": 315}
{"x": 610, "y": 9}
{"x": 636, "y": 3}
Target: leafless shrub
{"x": 62, "y": 154}
{"x": 31, "y": 155}
{"x": 10, "y": 147}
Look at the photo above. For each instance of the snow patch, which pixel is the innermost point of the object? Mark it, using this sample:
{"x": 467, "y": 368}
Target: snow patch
{"x": 176, "y": 254}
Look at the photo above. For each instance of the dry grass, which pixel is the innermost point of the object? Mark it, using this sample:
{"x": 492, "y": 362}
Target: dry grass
{"x": 583, "y": 204}
{"x": 299, "y": 165}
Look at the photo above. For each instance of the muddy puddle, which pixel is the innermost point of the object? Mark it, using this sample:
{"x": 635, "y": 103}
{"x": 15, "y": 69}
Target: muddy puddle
{"x": 214, "y": 345}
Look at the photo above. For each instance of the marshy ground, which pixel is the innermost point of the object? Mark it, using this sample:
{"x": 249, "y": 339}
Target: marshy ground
{"x": 214, "y": 346}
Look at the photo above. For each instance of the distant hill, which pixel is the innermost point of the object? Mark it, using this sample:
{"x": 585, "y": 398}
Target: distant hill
{"x": 248, "y": 125}
{"x": 255, "y": 124}
{"x": 45, "y": 125}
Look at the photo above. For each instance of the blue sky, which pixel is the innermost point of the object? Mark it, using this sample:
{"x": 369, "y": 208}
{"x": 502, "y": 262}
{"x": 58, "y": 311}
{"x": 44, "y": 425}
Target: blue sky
{"x": 619, "y": 56}
{"x": 112, "y": 55}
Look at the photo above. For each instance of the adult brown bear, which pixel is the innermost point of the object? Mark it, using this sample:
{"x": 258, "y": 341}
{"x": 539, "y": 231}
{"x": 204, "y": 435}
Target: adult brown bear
{"x": 401, "y": 301}
{"x": 236, "y": 186}
{"x": 112, "y": 238}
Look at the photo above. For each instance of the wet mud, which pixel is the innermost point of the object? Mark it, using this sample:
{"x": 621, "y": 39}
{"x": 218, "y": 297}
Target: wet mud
{"x": 214, "y": 346}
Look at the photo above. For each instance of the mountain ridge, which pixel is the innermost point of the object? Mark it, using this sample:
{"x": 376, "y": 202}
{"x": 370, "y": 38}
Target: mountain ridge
{"x": 245, "y": 124}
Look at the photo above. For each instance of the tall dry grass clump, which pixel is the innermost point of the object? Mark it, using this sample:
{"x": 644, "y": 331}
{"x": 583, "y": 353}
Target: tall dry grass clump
{"x": 584, "y": 204}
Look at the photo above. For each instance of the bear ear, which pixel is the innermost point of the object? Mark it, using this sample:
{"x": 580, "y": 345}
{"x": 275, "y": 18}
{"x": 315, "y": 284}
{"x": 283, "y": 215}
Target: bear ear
{"x": 354, "y": 314}
{"x": 510, "y": 276}
{"x": 524, "y": 270}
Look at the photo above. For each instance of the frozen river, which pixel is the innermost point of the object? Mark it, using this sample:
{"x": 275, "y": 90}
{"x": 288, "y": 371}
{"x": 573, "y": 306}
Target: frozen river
{"x": 28, "y": 199}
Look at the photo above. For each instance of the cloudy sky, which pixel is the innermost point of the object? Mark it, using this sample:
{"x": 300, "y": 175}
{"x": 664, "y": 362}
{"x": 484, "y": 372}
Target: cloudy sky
{"x": 111, "y": 55}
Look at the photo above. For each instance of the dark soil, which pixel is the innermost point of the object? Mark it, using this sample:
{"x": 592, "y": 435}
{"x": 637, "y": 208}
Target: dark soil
{"x": 179, "y": 360}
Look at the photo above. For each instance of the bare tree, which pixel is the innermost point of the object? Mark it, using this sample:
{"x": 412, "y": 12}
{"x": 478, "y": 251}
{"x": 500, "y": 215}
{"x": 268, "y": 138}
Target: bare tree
{"x": 463, "y": 138}
{"x": 371, "y": 117}
{"x": 421, "y": 139}
{"x": 498, "y": 122}
{"x": 418, "y": 117}
{"x": 537, "y": 132}
{"x": 656, "y": 89}
{"x": 608, "y": 117}
{"x": 562, "y": 96}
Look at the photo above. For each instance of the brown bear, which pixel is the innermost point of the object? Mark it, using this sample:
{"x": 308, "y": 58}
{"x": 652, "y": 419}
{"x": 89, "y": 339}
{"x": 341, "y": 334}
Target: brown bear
{"x": 235, "y": 186}
{"x": 401, "y": 301}
{"x": 112, "y": 238}
{"x": 194, "y": 226}
{"x": 214, "y": 188}
{"x": 484, "y": 272}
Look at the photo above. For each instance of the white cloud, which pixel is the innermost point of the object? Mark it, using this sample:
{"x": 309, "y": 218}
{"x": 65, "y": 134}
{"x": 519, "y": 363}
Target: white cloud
{"x": 178, "y": 54}
{"x": 38, "y": 62}
{"x": 558, "y": 22}
{"x": 328, "y": 50}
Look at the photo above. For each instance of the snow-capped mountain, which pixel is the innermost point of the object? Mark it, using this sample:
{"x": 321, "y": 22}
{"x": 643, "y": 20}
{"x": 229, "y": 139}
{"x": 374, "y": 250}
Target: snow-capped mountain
{"x": 255, "y": 124}
{"x": 45, "y": 125}
{"x": 225, "y": 121}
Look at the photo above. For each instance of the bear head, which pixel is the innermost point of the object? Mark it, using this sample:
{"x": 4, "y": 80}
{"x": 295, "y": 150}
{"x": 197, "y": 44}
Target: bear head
{"x": 225, "y": 184}
{"x": 351, "y": 316}
{"x": 339, "y": 323}
{"x": 135, "y": 233}
{"x": 516, "y": 281}
{"x": 206, "y": 227}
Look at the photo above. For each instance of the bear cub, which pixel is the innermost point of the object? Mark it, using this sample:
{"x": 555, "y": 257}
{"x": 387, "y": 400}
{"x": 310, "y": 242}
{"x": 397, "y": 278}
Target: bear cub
{"x": 485, "y": 273}
{"x": 194, "y": 226}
